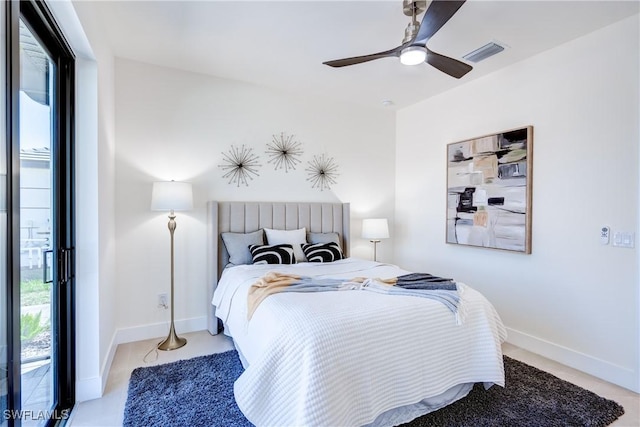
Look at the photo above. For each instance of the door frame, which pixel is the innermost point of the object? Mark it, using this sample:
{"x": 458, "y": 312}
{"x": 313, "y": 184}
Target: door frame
{"x": 12, "y": 73}
{"x": 45, "y": 28}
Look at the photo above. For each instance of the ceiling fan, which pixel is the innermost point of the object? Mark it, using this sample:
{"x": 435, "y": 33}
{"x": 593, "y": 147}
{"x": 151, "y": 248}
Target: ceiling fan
{"x": 413, "y": 49}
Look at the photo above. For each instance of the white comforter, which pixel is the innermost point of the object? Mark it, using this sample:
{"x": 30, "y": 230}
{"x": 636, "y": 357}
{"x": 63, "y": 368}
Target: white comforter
{"x": 344, "y": 358}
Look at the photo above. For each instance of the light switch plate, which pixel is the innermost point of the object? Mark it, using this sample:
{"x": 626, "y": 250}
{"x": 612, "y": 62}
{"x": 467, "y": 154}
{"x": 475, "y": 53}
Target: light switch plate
{"x": 624, "y": 239}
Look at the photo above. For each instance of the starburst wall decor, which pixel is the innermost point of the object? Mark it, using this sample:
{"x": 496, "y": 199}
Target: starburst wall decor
{"x": 241, "y": 165}
{"x": 322, "y": 172}
{"x": 284, "y": 151}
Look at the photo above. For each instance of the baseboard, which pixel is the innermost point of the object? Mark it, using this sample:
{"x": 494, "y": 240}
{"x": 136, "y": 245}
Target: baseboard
{"x": 624, "y": 377}
{"x": 157, "y": 330}
{"x": 88, "y": 388}
{"x": 106, "y": 366}
{"x": 93, "y": 388}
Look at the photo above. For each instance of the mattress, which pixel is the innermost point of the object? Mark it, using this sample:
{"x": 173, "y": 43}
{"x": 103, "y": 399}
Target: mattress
{"x": 351, "y": 357}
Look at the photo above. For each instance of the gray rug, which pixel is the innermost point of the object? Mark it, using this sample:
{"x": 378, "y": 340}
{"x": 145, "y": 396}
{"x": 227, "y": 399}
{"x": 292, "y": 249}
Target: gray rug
{"x": 199, "y": 392}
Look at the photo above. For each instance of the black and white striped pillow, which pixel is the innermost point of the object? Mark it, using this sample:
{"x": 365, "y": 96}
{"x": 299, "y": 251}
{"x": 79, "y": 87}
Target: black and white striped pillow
{"x": 322, "y": 252}
{"x": 274, "y": 254}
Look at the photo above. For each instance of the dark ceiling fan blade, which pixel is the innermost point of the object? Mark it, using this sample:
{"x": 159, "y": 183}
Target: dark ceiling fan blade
{"x": 438, "y": 13}
{"x": 447, "y": 65}
{"x": 365, "y": 58}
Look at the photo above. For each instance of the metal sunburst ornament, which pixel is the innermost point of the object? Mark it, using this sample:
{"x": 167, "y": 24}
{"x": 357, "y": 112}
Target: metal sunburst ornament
{"x": 241, "y": 165}
{"x": 322, "y": 172}
{"x": 284, "y": 152}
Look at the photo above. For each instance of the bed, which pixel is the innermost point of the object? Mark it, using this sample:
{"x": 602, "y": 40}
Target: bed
{"x": 342, "y": 358}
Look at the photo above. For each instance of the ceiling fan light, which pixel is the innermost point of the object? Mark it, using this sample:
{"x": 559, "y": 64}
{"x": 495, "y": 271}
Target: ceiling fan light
{"x": 413, "y": 55}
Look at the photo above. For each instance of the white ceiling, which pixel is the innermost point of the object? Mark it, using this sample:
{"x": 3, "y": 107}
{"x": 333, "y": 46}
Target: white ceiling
{"x": 282, "y": 44}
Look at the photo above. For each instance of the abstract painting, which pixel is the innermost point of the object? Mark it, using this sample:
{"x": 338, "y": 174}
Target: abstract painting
{"x": 489, "y": 191}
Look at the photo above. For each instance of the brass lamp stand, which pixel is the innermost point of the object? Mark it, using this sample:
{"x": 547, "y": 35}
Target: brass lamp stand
{"x": 172, "y": 196}
{"x": 173, "y": 341}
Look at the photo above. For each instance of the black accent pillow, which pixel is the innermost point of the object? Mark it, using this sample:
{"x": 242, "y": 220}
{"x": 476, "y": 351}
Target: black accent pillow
{"x": 322, "y": 252}
{"x": 272, "y": 254}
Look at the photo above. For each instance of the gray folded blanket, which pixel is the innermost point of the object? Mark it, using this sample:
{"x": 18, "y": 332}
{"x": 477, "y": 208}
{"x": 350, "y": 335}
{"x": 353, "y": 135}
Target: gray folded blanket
{"x": 424, "y": 281}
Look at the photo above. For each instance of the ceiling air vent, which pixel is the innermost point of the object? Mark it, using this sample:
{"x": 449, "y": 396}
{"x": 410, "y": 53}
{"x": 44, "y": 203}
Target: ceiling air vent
{"x": 484, "y": 52}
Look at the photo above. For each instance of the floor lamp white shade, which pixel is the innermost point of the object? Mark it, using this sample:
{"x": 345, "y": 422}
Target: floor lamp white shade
{"x": 172, "y": 196}
{"x": 375, "y": 229}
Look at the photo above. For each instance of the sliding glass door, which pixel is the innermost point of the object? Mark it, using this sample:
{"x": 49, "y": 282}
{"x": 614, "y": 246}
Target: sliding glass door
{"x": 39, "y": 288}
{"x": 37, "y": 297}
{"x": 5, "y": 323}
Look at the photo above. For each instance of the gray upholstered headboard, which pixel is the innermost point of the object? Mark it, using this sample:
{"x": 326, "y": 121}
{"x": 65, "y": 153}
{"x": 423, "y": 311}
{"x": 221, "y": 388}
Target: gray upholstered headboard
{"x": 245, "y": 217}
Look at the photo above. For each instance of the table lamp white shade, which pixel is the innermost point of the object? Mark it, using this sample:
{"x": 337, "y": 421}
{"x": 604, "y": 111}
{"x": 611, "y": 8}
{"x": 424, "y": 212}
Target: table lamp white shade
{"x": 375, "y": 228}
{"x": 171, "y": 196}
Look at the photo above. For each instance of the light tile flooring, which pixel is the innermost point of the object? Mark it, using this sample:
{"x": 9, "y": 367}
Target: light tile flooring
{"x": 108, "y": 411}
{"x": 36, "y": 389}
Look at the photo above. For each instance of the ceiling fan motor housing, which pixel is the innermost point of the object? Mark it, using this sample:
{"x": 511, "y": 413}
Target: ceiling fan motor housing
{"x": 412, "y": 8}
{"x": 409, "y": 6}
{"x": 411, "y": 31}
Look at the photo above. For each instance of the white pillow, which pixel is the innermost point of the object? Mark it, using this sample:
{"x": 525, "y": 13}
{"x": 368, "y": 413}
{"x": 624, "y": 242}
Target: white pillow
{"x": 294, "y": 238}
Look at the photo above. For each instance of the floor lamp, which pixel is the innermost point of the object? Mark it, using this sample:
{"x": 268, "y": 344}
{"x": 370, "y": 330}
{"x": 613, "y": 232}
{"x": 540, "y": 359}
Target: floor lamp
{"x": 374, "y": 230}
{"x": 171, "y": 196}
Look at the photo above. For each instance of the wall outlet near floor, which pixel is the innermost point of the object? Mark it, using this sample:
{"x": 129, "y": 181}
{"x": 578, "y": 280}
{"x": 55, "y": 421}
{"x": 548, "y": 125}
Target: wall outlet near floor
{"x": 163, "y": 301}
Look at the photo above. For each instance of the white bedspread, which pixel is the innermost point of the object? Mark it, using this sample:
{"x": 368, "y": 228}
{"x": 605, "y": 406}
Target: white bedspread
{"x": 343, "y": 358}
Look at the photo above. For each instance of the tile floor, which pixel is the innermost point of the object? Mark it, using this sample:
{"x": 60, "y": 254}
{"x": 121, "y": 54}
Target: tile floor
{"x": 108, "y": 410}
{"x": 36, "y": 389}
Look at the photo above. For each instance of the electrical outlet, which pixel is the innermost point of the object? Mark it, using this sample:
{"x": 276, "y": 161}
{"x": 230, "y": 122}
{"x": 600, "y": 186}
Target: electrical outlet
{"x": 163, "y": 301}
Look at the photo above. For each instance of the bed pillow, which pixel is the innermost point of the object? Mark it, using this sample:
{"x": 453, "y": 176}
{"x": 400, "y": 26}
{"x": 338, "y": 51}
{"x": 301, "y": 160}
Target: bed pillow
{"x": 272, "y": 254}
{"x": 237, "y": 245}
{"x": 290, "y": 237}
{"x": 323, "y": 238}
{"x": 322, "y": 252}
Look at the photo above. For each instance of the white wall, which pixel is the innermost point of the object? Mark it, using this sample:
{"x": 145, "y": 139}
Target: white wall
{"x": 572, "y": 299}
{"x": 172, "y": 124}
{"x": 95, "y": 224}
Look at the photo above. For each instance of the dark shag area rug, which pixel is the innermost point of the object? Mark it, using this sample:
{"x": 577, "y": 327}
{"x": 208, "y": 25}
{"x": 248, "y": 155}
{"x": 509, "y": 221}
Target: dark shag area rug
{"x": 530, "y": 398}
{"x": 199, "y": 392}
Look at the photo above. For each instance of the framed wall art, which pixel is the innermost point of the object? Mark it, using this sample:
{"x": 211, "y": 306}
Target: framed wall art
{"x": 489, "y": 191}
